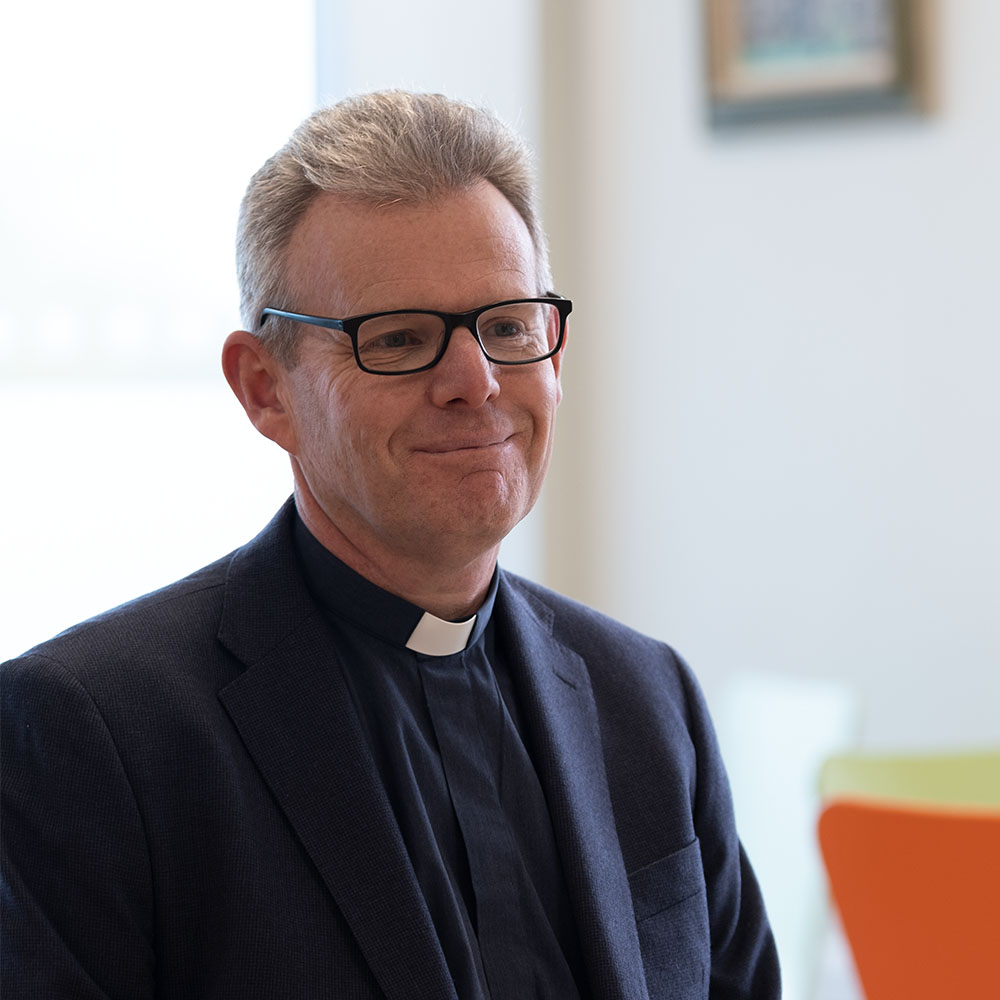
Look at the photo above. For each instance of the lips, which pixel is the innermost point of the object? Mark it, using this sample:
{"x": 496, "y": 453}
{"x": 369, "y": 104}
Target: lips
{"x": 465, "y": 442}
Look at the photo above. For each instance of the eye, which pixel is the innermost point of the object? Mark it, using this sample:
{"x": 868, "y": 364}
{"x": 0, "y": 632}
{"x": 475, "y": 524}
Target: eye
{"x": 405, "y": 332}
{"x": 503, "y": 328}
{"x": 392, "y": 340}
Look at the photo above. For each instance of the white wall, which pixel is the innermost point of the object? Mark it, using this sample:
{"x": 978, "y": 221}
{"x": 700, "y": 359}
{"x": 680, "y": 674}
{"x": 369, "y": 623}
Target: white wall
{"x": 796, "y": 469}
{"x": 480, "y": 52}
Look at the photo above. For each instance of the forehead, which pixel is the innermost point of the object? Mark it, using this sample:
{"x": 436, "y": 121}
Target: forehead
{"x": 459, "y": 250}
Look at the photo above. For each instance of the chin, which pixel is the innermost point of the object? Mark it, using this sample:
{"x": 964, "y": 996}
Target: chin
{"x": 476, "y": 530}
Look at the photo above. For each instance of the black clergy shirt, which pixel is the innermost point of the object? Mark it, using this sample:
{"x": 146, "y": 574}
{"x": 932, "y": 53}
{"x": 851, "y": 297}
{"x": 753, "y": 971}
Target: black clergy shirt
{"x": 448, "y": 744}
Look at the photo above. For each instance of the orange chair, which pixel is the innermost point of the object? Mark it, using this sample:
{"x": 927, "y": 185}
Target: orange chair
{"x": 918, "y": 890}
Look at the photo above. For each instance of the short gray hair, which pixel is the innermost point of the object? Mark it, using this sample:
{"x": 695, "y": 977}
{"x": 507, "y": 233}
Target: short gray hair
{"x": 383, "y": 148}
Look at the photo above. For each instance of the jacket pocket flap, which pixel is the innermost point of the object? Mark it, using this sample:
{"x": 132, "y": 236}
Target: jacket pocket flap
{"x": 667, "y": 882}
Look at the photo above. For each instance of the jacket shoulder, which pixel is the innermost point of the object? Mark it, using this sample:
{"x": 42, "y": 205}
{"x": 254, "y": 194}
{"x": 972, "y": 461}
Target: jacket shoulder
{"x": 577, "y": 624}
{"x": 142, "y": 629}
{"x": 629, "y": 671}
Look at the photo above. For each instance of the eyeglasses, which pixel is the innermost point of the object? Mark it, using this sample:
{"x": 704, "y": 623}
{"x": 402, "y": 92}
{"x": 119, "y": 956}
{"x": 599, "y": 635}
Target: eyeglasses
{"x": 404, "y": 341}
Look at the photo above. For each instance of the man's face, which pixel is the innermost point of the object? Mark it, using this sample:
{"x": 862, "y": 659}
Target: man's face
{"x": 439, "y": 464}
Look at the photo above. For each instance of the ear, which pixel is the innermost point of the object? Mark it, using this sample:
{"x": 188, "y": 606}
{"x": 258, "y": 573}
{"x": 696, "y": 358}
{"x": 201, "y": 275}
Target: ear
{"x": 255, "y": 375}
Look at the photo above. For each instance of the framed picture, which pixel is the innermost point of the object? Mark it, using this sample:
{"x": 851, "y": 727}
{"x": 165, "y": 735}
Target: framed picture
{"x": 780, "y": 59}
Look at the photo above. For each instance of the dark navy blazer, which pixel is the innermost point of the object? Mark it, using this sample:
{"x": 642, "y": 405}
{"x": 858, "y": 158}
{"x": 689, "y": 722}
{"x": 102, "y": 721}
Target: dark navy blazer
{"x": 190, "y": 807}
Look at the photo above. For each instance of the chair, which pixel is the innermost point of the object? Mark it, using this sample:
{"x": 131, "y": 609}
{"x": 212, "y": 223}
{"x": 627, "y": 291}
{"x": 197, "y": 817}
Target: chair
{"x": 911, "y": 847}
{"x": 918, "y": 890}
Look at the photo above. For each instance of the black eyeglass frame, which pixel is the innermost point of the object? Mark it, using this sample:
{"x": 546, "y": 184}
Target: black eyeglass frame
{"x": 469, "y": 320}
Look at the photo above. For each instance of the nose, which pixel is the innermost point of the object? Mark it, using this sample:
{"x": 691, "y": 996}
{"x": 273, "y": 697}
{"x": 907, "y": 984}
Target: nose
{"x": 464, "y": 374}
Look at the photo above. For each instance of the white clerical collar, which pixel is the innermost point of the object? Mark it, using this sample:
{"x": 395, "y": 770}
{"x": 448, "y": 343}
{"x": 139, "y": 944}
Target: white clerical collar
{"x": 435, "y": 637}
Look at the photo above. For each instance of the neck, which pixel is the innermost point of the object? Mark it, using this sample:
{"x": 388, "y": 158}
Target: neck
{"x": 440, "y": 578}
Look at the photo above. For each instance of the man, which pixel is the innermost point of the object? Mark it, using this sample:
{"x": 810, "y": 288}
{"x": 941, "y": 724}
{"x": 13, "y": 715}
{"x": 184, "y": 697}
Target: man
{"x": 354, "y": 758}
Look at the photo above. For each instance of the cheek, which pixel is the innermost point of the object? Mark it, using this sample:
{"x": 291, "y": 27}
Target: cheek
{"x": 349, "y": 435}
{"x": 314, "y": 418}
{"x": 546, "y": 413}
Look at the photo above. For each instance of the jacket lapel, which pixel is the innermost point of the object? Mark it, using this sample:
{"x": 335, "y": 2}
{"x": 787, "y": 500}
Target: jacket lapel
{"x": 561, "y": 715}
{"x": 294, "y": 712}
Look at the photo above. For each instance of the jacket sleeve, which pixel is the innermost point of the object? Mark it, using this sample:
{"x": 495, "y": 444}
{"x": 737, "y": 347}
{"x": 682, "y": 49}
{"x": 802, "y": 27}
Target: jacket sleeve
{"x": 744, "y": 959}
{"x": 75, "y": 884}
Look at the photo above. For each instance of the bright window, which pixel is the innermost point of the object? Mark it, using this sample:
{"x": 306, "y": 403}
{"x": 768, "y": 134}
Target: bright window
{"x": 130, "y": 131}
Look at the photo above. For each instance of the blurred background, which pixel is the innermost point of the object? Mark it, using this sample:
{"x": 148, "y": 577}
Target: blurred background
{"x": 778, "y": 445}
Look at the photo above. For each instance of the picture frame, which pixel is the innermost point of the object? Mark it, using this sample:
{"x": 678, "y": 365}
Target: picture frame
{"x": 773, "y": 60}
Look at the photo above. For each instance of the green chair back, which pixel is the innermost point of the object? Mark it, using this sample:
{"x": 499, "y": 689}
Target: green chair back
{"x": 949, "y": 779}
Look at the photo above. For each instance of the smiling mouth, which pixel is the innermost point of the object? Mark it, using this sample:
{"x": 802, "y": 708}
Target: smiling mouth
{"x": 463, "y": 449}
{"x": 459, "y": 446}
